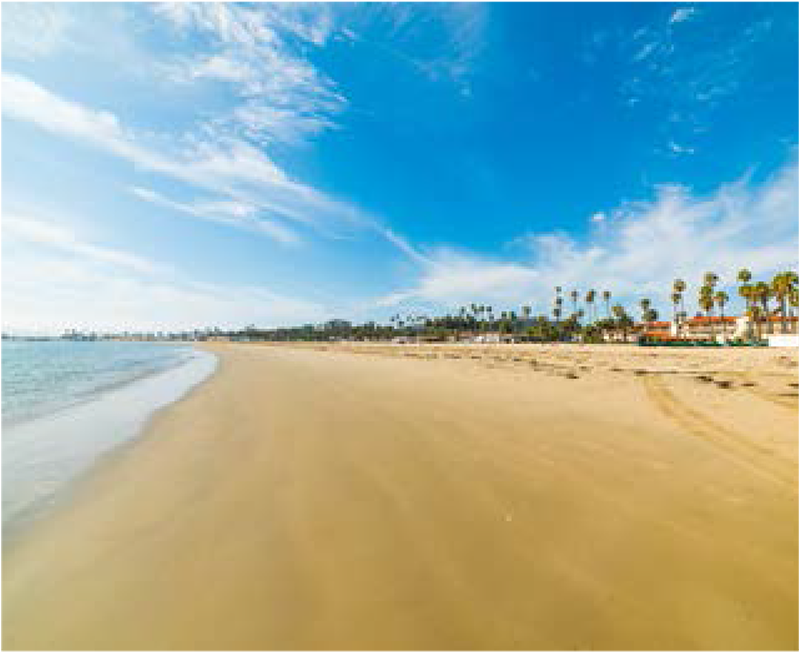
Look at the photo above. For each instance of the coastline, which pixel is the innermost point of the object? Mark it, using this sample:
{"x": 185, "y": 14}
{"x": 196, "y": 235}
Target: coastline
{"x": 74, "y": 440}
{"x": 312, "y": 498}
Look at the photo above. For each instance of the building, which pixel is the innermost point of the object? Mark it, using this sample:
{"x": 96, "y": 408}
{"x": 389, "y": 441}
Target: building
{"x": 718, "y": 328}
{"x": 708, "y": 327}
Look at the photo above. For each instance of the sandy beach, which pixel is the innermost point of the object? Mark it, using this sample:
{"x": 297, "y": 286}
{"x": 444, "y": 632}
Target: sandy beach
{"x": 436, "y": 497}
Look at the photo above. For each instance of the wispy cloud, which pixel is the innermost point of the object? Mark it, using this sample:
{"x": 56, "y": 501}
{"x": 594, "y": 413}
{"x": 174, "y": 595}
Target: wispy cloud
{"x": 56, "y": 237}
{"x": 55, "y": 278}
{"x": 231, "y": 167}
{"x": 282, "y": 96}
{"x": 684, "y": 64}
{"x": 451, "y": 57}
{"x": 681, "y": 14}
{"x": 636, "y": 250}
{"x": 678, "y": 149}
{"x": 32, "y": 30}
{"x": 233, "y": 213}
{"x": 451, "y": 277}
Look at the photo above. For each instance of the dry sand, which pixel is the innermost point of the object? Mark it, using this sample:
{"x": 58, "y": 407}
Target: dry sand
{"x": 308, "y": 497}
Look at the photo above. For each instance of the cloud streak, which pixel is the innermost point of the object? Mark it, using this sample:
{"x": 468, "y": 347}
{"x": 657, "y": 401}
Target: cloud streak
{"x": 55, "y": 279}
{"x": 233, "y": 213}
{"x": 230, "y": 167}
{"x": 63, "y": 240}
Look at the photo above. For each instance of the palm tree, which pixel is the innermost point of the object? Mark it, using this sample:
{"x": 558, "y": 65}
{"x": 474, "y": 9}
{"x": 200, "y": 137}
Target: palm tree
{"x": 590, "y": 295}
{"x": 710, "y": 279}
{"x": 645, "y": 304}
{"x": 782, "y": 285}
{"x": 607, "y": 298}
{"x": 526, "y": 312}
{"x": 755, "y": 314}
{"x": 557, "y": 304}
{"x": 676, "y": 298}
{"x": 762, "y": 293}
{"x": 679, "y": 286}
{"x": 744, "y": 277}
{"x": 706, "y": 301}
{"x": 747, "y": 292}
{"x": 622, "y": 320}
{"x": 722, "y": 298}
{"x": 574, "y": 296}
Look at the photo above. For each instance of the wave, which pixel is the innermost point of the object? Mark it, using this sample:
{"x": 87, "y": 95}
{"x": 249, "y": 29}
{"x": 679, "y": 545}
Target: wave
{"x": 42, "y": 455}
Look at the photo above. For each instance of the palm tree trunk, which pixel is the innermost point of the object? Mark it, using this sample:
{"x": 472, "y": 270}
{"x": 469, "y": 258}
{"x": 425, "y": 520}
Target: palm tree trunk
{"x": 783, "y": 315}
{"x": 764, "y": 304}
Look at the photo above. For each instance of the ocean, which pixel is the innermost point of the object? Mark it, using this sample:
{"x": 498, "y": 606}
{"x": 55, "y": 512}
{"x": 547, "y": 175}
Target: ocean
{"x": 64, "y": 404}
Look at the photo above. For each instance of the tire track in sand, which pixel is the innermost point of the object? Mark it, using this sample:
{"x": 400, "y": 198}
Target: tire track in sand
{"x": 755, "y": 390}
{"x": 760, "y": 458}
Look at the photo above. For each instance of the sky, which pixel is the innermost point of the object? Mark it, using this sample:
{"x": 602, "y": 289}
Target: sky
{"x": 178, "y": 166}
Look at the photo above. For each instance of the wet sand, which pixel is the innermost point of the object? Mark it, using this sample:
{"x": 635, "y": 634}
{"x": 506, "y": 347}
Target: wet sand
{"x": 435, "y": 498}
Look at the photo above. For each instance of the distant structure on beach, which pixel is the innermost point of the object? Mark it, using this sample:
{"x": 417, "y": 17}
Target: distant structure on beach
{"x": 717, "y": 327}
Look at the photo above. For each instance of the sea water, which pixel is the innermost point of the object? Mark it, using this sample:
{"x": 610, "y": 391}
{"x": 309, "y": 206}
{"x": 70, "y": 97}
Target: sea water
{"x": 66, "y": 403}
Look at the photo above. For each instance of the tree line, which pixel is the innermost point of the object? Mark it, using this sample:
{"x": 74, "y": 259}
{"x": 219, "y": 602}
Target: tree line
{"x": 573, "y": 315}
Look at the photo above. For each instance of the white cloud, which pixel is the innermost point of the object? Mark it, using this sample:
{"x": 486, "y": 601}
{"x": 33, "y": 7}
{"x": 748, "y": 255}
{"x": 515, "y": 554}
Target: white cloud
{"x": 53, "y": 295}
{"x": 682, "y": 14}
{"x": 282, "y": 96}
{"x": 56, "y": 237}
{"x": 25, "y": 100}
{"x": 272, "y": 124}
{"x": 231, "y": 213}
{"x": 598, "y": 217}
{"x": 54, "y": 279}
{"x": 32, "y": 30}
{"x": 685, "y": 70}
{"x": 451, "y": 277}
{"x": 645, "y": 51}
{"x": 641, "y": 249}
{"x": 231, "y": 167}
{"x": 678, "y": 149}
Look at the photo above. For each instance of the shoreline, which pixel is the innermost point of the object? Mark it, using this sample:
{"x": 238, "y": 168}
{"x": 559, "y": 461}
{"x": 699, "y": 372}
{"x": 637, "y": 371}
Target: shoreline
{"x": 79, "y": 438}
{"x": 428, "y": 504}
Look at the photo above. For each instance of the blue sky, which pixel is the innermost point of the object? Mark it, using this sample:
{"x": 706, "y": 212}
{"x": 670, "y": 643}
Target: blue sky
{"x": 179, "y": 166}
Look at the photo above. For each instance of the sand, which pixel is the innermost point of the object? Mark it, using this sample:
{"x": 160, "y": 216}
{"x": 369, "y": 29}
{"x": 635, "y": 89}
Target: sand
{"x": 508, "y": 497}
